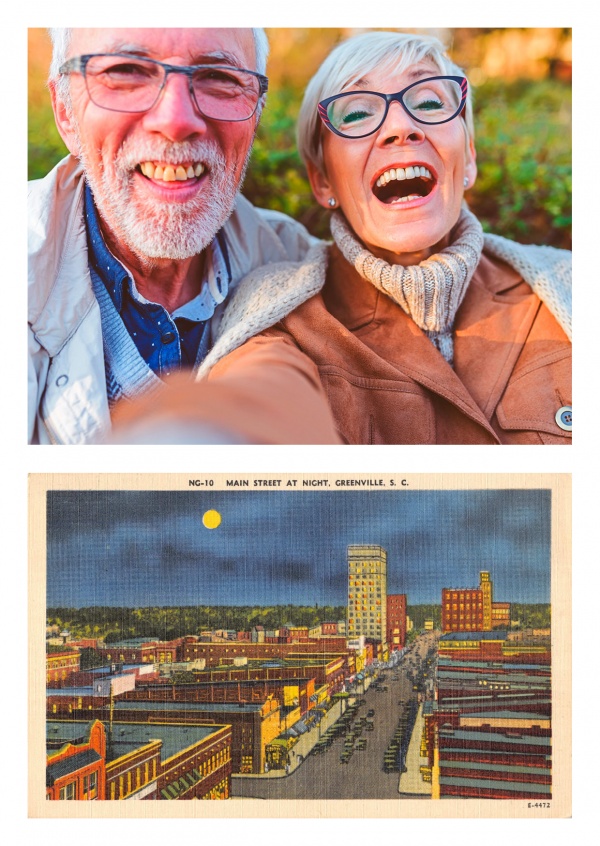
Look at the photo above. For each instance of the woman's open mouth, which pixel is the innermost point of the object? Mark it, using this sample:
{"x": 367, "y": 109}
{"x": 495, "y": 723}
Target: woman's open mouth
{"x": 402, "y": 185}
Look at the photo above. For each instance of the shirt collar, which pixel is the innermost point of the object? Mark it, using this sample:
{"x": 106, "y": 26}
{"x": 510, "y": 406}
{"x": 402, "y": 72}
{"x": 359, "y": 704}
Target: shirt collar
{"x": 115, "y": 276}
{"x": 110, "y": 270}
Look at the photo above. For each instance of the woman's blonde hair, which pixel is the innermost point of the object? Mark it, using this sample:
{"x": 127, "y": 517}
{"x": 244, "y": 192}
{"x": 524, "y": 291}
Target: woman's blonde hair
{"x": 355, "y": 58}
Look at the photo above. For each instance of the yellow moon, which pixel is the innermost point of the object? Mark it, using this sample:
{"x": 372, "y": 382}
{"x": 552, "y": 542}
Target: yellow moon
{"x": 211, "y": 519}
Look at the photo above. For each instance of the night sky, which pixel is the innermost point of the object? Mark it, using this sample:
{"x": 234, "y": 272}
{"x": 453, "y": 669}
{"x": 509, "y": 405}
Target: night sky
{"x": 142, "y": 548}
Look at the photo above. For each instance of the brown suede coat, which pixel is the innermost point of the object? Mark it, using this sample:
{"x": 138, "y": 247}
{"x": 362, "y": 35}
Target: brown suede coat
{"x": 387, "y": 384}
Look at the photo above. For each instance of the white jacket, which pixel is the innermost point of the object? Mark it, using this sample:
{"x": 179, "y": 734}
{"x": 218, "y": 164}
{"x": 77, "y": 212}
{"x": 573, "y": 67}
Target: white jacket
{"x": 67, "y": 389}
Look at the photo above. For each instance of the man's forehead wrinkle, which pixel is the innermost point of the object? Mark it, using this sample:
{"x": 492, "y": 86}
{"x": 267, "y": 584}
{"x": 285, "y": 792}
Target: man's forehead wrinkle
{"x": 125, "y": 47}
{"x": 202, "y": 57}
{"x": 218, "y": 57}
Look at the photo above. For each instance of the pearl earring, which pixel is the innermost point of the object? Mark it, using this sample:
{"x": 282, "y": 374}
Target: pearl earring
{"x": 332, "y": 202}
{"x": 466, "y": 182}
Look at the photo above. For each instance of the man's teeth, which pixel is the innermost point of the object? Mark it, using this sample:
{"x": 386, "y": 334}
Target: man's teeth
{"x": 171, "y": 173}
{"x": 403, "y": 173}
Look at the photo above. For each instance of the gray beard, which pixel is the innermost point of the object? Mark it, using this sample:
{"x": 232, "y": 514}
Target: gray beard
{"x": 163, "y": 230}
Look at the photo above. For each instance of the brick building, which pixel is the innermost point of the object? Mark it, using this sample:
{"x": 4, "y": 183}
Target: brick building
{"x": 320, "y": 650}
{"x": 473, "y": 609}
{"x": 138, "y": 760}
{"x": 76, "y": 762}
{"x": 490, "y": 646}
{"x": 139, "y": 651}
{"x": 500, "y": 615}
{"x": 396, "y": 621}
{"x": 60, "y": 665}
{"x": 488, "y": 734}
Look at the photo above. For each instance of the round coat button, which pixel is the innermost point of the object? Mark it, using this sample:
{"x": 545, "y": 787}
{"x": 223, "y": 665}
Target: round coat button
{"x": 168, "y": 337}
{"x": 564, "y": 418}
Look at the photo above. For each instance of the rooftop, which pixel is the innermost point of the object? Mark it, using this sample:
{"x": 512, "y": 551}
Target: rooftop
{"x": 494, "y": 635}
{"x": 485, "y": 737}
{"x": 145, "y": 705}
{"x": 448, "y": 664}
{"x": 70, "y": 765}
{"x": 493, "y": 784}
{"x": 129, "y": 736}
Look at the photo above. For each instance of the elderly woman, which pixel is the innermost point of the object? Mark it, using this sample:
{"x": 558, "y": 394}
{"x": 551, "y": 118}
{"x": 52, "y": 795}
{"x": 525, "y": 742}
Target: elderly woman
{"x": 421, "y": 329}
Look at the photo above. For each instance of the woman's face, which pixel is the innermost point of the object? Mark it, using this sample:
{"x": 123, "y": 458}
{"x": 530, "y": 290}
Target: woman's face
{"x": 400, "y": 220}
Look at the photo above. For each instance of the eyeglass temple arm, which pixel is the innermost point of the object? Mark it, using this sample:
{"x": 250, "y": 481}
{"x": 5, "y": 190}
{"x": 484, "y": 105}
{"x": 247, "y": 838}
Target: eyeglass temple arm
{"x": 77, "y": 63}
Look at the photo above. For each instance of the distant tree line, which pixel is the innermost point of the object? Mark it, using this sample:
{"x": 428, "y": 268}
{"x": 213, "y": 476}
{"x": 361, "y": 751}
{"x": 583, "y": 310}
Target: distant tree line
{"x": 419, "y": 613}
{"x": 531, "y": 616}
{"x": 113, "y": 624}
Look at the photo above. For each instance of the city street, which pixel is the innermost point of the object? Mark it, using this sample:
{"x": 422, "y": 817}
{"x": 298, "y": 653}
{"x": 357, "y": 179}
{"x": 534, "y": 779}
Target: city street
{"x": 324, "y": 775}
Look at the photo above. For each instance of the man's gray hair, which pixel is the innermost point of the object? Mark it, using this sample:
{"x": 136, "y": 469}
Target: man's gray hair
{"x": 357, "y": 57}
{"x": 61, "y": 39}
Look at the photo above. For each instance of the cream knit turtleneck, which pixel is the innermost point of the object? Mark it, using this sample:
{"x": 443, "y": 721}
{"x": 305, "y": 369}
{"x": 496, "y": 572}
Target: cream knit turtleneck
{"x": 430, "y": 292}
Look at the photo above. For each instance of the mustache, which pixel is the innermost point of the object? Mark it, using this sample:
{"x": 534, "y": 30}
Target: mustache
{"x": 133, "y": 152}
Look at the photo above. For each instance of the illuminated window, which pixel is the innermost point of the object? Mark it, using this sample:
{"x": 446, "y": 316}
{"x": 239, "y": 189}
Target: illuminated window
{"x": 68, "y": 791}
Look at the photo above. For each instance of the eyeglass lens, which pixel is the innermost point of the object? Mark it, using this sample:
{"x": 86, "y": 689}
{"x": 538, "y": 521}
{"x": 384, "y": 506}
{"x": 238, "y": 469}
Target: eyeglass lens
{"x": 430, "y": 101}
{"x": 133, "y": 85}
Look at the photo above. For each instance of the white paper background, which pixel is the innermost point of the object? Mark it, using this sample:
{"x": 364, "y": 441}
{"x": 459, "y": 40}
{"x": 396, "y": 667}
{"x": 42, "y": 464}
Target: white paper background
{"x": 18, "y": 459}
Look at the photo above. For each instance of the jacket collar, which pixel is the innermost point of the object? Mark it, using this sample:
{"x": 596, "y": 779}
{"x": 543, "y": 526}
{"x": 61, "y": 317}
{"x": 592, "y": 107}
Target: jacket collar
{"x": 265, "y": 297}
{"x": 497, "y": 306}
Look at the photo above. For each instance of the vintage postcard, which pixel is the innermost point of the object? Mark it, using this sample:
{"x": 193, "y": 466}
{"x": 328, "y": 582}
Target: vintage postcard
{"x": 300, "y": 646}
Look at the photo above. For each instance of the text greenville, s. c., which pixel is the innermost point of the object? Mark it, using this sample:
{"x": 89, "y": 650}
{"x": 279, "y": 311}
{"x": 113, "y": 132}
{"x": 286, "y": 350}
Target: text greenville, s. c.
{"x": 304, "y": 483}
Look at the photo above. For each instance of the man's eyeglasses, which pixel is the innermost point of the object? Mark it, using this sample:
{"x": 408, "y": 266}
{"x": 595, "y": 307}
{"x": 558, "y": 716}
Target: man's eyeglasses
{"x": 356, "y": 114}
{"x": 123, "y": 82}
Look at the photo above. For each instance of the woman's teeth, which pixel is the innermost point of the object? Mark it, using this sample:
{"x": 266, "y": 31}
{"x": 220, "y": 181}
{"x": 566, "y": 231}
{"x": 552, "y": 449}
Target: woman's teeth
{"x": 408, "y": 198}
{"x": 403, "y": 173}
{"x": 171, "y": 173}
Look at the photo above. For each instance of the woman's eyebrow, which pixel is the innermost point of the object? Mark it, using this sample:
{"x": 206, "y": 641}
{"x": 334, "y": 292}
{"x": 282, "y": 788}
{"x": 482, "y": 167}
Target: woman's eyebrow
{"x": 417, "y": 73}
{"x": 364, "y": 80}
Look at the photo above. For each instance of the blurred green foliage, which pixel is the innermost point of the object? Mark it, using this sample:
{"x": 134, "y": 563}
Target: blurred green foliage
{"x": 523, "y": 141}
{"x": 46, "y": 147}
{"x": 276, "y": 177}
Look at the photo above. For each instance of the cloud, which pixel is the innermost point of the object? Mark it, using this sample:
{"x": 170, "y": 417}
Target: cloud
{"x": 282, "y": 546}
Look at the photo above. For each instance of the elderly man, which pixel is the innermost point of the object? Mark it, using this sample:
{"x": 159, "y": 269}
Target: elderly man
{"x": 139, "y": 236}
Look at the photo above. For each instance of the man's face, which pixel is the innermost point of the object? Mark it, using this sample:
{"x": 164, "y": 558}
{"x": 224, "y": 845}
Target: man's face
{"x": 151, "y": 216}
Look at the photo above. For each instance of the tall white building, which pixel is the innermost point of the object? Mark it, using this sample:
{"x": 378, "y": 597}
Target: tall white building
{"x": 367, "y": 591}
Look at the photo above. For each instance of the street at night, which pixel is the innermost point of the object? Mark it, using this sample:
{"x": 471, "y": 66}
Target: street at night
{"x": 324, "y": 775}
